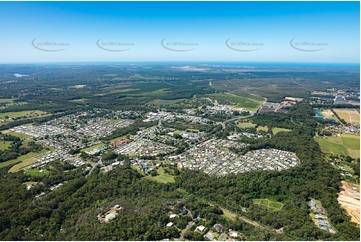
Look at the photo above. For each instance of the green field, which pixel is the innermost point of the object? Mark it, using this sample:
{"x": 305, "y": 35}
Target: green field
{"x": 246, "y": 125}
{"x": 243, "y": 100}
{"x": 162, "y": 177}
{"x": 90, "y": 148}
{"x": 270, "y": 205}
{"x": 30, "y": 113}
{"x": 331, "y": 145}
{"x": 36, "y": 173}
{"x": 351, "y": 141}
{"x": 81, "y": 100}
{"x": 155, "y": 93}
{"x": 26, "y": 160}
{"x": 347, "y": 144}
{"x": 262, "y": 128}
{"x": 21, "y": 136}
{"x": 166, "y": 102}
{"x": 4, "y": 145}
{"x": 277, "y": 130}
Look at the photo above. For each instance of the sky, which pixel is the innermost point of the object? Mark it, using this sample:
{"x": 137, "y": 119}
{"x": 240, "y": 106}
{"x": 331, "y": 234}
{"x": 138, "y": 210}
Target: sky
{"x": 315, "y": 32}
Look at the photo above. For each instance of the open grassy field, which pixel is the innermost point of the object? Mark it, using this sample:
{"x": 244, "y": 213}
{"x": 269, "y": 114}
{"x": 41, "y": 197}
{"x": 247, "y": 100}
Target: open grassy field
{"x": 21, "y": 136}
{"x": 5, "y": 145}
{"x": 328, "y": 114}
{"x": 243, "y": 100}
{"x": 26, "y": 160}
{"x": 36, "y": 173}
{"x": 23, "y": 114}
{"x": 262, "y": 128}
{"x": 277, "y": 130}
{"x": 246, "y": 125}
{"x": 166, "y": 102}
{"x": 331, "y": 145}
{"x": 346, "y": 144}
{"x": 154, "y": 93}
{"x": 270, "y": 205}
{"x": 81, "y": 100}
{"x": 162, "y": 177}
{"x": 352, "y": 143}
{"x": 93, "y": 147}
{"x": 349, "y": 115}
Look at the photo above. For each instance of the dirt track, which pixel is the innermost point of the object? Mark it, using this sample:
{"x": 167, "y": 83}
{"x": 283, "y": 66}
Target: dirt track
{"x": 349, "y": 198}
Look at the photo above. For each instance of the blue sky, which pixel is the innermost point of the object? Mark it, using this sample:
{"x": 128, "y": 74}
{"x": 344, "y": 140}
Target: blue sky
{"x": 191, "y": 31}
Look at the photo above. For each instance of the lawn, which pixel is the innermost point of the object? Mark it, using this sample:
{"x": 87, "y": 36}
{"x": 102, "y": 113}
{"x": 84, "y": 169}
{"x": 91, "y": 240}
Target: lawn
{"x": 30, "y": 113}
{"x": 5, "y": 145}
{"x": 277, "y": 130}
{"x": 162, "y": 177}
{"x": 246, "y": 125}
{"x": 270, "y": 205}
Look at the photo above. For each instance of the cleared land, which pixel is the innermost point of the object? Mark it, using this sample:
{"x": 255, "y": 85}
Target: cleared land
{"x": 93, "y": 147}
{"x": 25, "y": 160}
{"x": 243, "y": 100}
{"x": 349, "y": 199}
{"x": 351, "y": 116}
{"x": 277, "y": 130}
{"x": 328, "y": 114}
{"x": 21, "y": 136}
{"x": 246, "y": 125}
{"x": 262, "y": 128}
{"x": 4, "y": 145}
{"x": 346, "y": 144}
{"x": 23, "y": 114}
{"x": 36, "y": 173}
{"x": 162, "y": 177}
{"x": 268, "y": 204}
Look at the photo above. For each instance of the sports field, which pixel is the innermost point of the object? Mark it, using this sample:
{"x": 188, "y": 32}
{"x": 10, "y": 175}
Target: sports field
{"x": 277, "y": 130}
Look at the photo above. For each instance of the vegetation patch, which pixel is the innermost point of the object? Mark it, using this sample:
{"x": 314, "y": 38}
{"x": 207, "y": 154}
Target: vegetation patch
{"x": 277, "y": 130}
{"x": 246, "y": 125}
{"x": 26, "y": 160}
{"x": 162, "y": 176}
{"x": 268, "y": 204}
{"x": 22, "y": 114}
{"x": 5, "y": 145}
{"x": 246, "y": 101}
{"x": 36, "y": 173}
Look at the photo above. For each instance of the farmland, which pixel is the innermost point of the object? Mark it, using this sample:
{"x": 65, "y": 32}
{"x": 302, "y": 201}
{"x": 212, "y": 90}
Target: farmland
{"x": 351, "y": 116}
